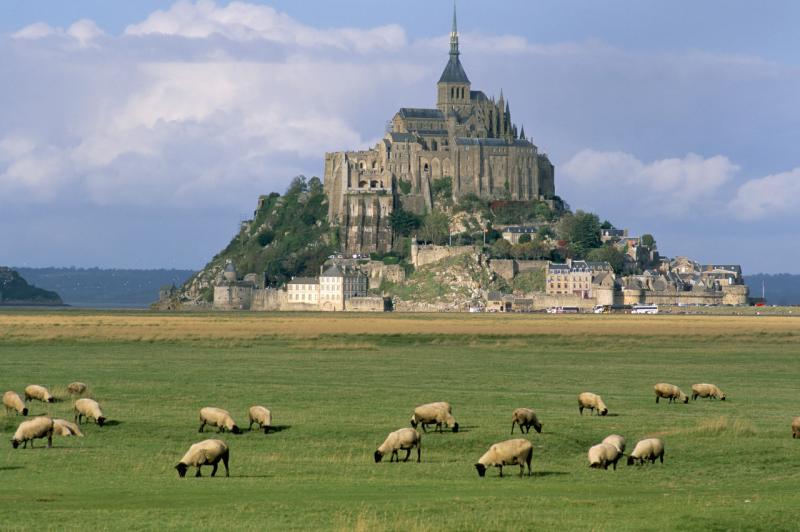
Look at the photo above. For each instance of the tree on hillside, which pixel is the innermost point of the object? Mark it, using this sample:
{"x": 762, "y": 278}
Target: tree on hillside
{"x": 501, "y": 249}
{"x": 524, "y": 238}
{"x": 609, "y": 254}
{"x": 648, "y": 241}
{"x": 435, "y": 227}
{"x": 403, "y": 222}
{"x": 581, "y": 230}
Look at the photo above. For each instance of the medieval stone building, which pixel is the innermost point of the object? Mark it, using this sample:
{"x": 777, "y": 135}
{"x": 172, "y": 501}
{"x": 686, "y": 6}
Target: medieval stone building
{"x": 469, "y": 138}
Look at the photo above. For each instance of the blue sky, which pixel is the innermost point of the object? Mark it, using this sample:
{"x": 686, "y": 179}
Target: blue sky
{"x": 137, "y": 134}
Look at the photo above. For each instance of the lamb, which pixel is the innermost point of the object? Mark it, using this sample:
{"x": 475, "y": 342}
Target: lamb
{"x": 12, "y": 401}
{"x": 707, "y": 390}
{"x": 38, "y": 427}
{"x": 405, "y": 439}
{"x": 40, "y": 393}
{"x": 217, "y": 417}
{"x": 62, "y": 427}
{"x": 525, "y": 418}
{"x": 603, "y": 454}
{"x": 671, "y": 392}
{"x": 648, "y": 449}
{"x": 593, "y": 402}
{"x": 260, "y": 415}
{"x": 510, "y": 452}
{"x": 438, "y": 413}
{"x": 617, "y": 441}
{"x": 89, "y": 408}
{"x": 76, "y": 388}
{"x": 206, "y": 452}
{"x": 796, "y": 427}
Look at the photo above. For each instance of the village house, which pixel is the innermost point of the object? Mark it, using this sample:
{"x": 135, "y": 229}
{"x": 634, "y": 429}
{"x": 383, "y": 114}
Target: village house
{"x": 574, "y": 277}
{"x": 512, "y": 233}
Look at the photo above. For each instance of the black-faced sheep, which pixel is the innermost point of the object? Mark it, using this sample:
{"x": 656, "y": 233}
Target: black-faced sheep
{"x": 405, "y": 439}
{"x": 670, "y": 391}
{"x": 648, "y": 449}
{"x": 518, "y": 451}
{"x": 38, "y": 427}
{"x": 206, "y": 452}
{"x": 12, "y": 401}
{"x": 593, "y": 402}
{"x": 439, "y": 413}
{"x": 217, "y": 417}
{"x": 40, "y": 393}
{"x": 260, "y": 415}
{"x": 603, "y": 454}
{"x": 707, "y": 390}
{"x": 88, "y": 408}
{"x": 525, "y": 418}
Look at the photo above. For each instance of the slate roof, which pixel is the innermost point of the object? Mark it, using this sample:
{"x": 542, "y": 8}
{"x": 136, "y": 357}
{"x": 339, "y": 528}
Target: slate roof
{"x": 304, "y": 280}
{"x": 402, "y": 137}
{"x": 333, "y": 271}
{"x": 454, "y": 72}
{"x": 522, "y": 229}
{"x": 410, "y": 112}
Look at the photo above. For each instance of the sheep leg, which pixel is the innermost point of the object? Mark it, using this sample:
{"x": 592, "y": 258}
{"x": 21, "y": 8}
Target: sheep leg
{"x": 521, "y": 469}
{"x": 50, "y": 440}
{"x": 225, "y": 463}
{"x": 501, "y": 470}
{"x": 580, "y": 409}
{"x": 512, "y": 427}
{"x": 528, "y": 461}
{"x": 198, "y": 472}
{"x": 657, "y": 397}
{"x": 214, "y": 470}
{"x": 408, "y": 453}
{"x": 527, "y": 429}
{"x": 250, "y": 427}
{"x": 419, "y": 452}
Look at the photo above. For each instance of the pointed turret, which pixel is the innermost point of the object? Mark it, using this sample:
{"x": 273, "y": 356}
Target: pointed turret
{"x": 522, "y": 133}
{"x": 454, "y": 85}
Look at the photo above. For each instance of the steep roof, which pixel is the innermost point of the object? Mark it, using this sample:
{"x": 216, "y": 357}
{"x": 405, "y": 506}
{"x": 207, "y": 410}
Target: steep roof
{"x": 454, "y": 72}
{"x": 410, "y": 112}
{"x": 333, "y": 271}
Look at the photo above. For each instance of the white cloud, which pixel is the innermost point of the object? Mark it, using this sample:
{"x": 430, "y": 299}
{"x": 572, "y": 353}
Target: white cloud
{"x": 240, "y": 21}
{"x": 668, "y": 186}
{"x": 773, "y": 196}
{"x": 85, "y": 31}
{"x": 35, "y": 31}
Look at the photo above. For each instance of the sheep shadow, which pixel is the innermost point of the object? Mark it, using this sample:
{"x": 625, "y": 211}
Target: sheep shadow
{"x": 548, "y": 473}
{"x": 278, "y": 428}
{"x": 10, "y": 468}
{"x": 112, "y": 423}
{"x": 611, "y": 415}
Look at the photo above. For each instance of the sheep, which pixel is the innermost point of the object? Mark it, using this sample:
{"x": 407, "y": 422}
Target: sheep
{"x": 603, "y": 454}
{"x": 648, "y": 449}
{"x": 707, "y": 390}
{"x": 89, "y": 408}
{"x": 796, "y": 427}
{"x": 206, "y": 452}
{"x": 217, "y": 417}
{"x": 671, "y": 392}
{"x": 260, "y": 415}
{"x": 438, "y": 413}
{"x": 525, "y": 418}
{"x": 40, "y": 393}
{"x": 76, "y": 388}
{"x": 62, "y": 427}
{"x": 38, "y": 427}
{"x": 405, "y": 439}
{"x": 517, "y": 451}
{"x": 617, "y": 441}
{"x": 12, "y": 401}
{"x": 593, "y": 402}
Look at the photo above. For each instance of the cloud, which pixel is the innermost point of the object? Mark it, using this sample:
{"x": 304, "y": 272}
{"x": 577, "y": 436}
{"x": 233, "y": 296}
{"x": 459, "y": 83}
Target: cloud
{"x": 240, "y": 21}
{"x": 773, "y": 196}
{"x": 83, "y": 31}
{"x": 672, "y": 187}
{"x": 37, "y": 30}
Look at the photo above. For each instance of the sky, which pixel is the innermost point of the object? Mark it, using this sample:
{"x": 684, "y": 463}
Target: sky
{"x": 139, "y": 134}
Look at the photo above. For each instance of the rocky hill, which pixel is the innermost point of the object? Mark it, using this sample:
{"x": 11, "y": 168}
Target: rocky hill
{"x": 14, "y": 290}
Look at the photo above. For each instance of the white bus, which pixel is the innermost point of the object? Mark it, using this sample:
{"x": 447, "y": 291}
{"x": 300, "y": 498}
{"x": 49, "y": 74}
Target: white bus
{"x": 644, "y": 309}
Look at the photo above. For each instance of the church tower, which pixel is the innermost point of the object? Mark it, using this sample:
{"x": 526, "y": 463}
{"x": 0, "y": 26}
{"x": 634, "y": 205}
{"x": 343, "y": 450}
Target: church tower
{"x": 454, "y": 86}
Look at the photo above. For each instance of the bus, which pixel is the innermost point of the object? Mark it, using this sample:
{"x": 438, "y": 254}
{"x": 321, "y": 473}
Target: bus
{"x": 644, "y": 309}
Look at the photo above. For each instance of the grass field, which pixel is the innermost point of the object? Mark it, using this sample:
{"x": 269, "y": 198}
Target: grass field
{"x": 338, "y": 384}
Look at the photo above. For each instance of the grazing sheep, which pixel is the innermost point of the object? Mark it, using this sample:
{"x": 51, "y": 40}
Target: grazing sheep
{"x": 76, "y": 388}
{"x": 648, "y": 449}
{"x": 707, "y": 390}
{"x": 40, "y": 393}
{"x": 62, "y": 427}
{"x": 510, "y": 452}
{"x": 796, "y": 427}
{"x": 89, "y": 408}
{"x": 617, "y": 441}
{"x": 405, "y": 439}
{"x": 206, "y": 452}
{"x": 593, "y": 402}
{"x": 38, "y": 427}
{"x": 603, "y": 454}
{"x": 217, "y": 417}
{"x": 525, "y": 418}
{"x": 12, "y": 401}
{"x": 439, "y": 413}
{"x": 260, "y": 415}
{"x": 671, "y": 392}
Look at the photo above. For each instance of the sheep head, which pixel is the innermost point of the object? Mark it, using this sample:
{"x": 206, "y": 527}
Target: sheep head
{"x": 101, "y": 421}
{"x": 455, "y": 427}
{"x": 181, "y": 467}
{"x": 14, "y": 443}
{"x": 481, "y": 469}
{"x": 25, "y": 411}
{"x": 378, "y": 456}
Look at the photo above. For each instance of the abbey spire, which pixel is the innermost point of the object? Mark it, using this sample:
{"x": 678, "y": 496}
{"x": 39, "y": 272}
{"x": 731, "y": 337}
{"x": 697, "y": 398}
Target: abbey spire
{"x": 453, "y": 89}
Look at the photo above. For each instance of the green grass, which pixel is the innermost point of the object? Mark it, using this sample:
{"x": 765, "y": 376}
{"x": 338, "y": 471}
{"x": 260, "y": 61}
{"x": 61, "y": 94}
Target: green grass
{"x": 728, "y": 465}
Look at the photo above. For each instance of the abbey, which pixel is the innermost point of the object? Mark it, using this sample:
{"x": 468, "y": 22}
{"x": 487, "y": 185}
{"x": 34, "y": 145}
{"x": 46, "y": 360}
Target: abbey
{"x": 468, "y": 138}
